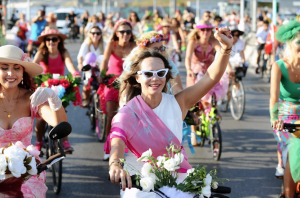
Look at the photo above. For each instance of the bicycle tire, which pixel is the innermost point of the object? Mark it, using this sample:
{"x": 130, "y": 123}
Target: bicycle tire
{"x": 216, "y": 140}
{"x": 237, "y": 115}
{"x": 56, "y": 168}
{"x": 101, "y": 120}
{"x": 202, "y": 136}
{"x": 91, "y": 112}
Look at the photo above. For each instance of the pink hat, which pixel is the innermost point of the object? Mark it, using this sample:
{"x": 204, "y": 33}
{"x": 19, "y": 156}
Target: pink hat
{"x": 204, "y": 24}
{"x": 51, "y": 31}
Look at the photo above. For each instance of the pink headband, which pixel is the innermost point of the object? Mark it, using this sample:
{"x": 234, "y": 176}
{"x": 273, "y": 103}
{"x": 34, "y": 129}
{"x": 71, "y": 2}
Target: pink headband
{"x": 122, "y": 21}
{"x": 51, "y": 31}
{"x": 204, "y": 26}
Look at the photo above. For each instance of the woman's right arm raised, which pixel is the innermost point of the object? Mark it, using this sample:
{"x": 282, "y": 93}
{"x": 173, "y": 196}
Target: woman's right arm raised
{"x": 115, "y": 171}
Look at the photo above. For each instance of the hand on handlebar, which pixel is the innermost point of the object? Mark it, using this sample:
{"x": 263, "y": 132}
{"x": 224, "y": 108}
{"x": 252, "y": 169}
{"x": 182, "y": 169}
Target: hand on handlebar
{"x": 116, "y": 173}
{"x": 191, "y": 74}
{"x": 278, "y": 125}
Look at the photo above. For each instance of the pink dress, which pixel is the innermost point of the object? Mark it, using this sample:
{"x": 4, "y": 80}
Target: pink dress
{"x": 115, "y": 67}
{"x": 22, "y": 131}
{"x": 199, "y": 65}
{"x": 56, "y": 66}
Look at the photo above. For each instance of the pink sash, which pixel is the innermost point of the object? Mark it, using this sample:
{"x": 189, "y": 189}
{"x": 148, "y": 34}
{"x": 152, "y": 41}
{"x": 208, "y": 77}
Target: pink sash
{"x": 140, "y": 128}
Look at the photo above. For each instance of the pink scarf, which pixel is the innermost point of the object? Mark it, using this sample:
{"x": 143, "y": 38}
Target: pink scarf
{"x": 140, "y": 128}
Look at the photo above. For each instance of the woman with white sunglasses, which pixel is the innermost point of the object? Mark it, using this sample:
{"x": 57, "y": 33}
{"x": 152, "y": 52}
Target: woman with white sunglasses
{"x": 151, "y": 118}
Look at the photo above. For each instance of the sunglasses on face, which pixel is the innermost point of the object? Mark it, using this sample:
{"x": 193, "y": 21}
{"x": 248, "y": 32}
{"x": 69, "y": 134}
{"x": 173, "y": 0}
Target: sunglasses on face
{"x": 205, "y": 29}
{"x": 160, "y": 49}
{"x": 93, "y": 33}
{"x": 128, "y": 32}
{"x": 149, "y": 74}
{"x": 55, "y": 39}
{"x": 236, "y": 35}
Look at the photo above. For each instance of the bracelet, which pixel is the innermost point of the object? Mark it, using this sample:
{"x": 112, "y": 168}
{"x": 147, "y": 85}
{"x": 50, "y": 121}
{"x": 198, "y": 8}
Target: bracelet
{"x": 120, "y": 164}
{"x": 225, "y": 53}
{"x": 227, "y": 49}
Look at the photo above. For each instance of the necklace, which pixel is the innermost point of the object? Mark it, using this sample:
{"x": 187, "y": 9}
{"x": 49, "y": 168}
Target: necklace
{"x": 9, "y": 113}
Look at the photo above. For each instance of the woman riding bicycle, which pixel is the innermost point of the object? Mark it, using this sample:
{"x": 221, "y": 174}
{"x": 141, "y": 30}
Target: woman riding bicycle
{"x": 200, "y": 54}
{"x": 53, "y": 57}
{"x": 94, "y": 43}
{"x": 120, "y": 45}
{"x": 151, "y": 118}
{"x": 153, "y": 40}
{"x": 285, "y": 104}
{"x": 19, "y": 107}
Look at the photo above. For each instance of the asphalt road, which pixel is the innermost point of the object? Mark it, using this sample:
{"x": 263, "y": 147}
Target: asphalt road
{"x": 248, "y": 159}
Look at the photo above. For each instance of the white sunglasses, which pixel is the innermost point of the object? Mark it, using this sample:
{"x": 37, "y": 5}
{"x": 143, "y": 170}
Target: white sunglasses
{"x": 149, "y": 74}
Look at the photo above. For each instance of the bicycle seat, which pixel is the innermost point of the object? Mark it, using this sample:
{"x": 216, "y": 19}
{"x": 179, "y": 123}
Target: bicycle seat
{"x": 61, "y": 130}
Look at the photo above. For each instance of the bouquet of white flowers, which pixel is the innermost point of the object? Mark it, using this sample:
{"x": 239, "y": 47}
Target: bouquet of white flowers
{"x": 160, "y": 175}
{"x": 18, "y": 161}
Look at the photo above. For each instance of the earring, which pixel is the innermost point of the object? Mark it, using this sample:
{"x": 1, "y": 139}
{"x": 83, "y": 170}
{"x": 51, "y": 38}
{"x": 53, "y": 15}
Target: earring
{"x": 22, "y": 81}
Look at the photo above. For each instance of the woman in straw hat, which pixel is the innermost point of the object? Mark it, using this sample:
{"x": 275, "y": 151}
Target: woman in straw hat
{"x": 200, "y": 54}
{"x": 53, "y": 57}
{"x": 19, "y": 107}
{"x": 121, "y": 44}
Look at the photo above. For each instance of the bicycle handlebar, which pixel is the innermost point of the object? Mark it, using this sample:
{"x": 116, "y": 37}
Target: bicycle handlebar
{"x": 220, "y": 189}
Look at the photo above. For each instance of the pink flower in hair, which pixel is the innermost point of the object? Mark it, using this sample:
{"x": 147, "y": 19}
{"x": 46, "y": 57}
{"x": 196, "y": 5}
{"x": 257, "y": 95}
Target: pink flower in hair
{"x": 26, "y": 58}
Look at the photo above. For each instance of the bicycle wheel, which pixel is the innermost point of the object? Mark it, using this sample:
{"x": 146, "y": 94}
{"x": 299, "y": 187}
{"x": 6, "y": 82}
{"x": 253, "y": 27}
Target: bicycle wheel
{"x": 225, "y": 103}
{"x": 202, "y": 135}
{"x": 57, "y": 167}
{"x": 101, "y": 120}
{"x": 91, "y": 112}
{"x": 216, "y": 141}
{"x": 237, "y": 101}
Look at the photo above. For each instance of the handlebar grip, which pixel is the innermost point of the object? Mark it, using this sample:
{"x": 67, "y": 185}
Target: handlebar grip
{"x": 43, "y": 166}
{"x": 218, "y": 196}
{"x": 222, "y": 189}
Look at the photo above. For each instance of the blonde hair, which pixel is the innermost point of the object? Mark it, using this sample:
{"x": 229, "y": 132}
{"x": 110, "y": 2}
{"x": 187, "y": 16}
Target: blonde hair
{"x": 89, "y": 41}
{"x": 193, "y": 35}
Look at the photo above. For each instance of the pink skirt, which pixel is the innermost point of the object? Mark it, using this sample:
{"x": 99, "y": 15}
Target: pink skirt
{"x": 35, "y": 187}
{"x": 111, "y": 94}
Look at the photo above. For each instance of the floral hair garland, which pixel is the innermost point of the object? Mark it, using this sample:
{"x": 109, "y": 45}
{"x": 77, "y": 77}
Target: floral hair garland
{"x": 153, "y": 39}
{"x": 122, "y": 21}
{"x": 26, "y": 58}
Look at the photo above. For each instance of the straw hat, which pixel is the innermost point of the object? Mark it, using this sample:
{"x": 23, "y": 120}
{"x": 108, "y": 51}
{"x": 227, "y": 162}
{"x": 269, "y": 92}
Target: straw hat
{"x": 51, "y": 31}
{"x": 165, "y": 23}
{"x": 204, "y": 24}
{"x": 13, "y": 54}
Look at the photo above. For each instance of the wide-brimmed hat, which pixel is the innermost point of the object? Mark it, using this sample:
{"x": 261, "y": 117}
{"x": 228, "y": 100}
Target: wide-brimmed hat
{"x": 51, "y": 31}
{"x": 236, "y": 30}
{"x": 165, "y": 23}
{"x": 13, "y": 54}
{"x": 204, "y": 25}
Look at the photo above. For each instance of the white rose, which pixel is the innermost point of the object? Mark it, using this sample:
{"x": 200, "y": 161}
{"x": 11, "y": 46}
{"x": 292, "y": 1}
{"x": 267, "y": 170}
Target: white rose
{"x": 33, "y": 170}
{"x": 145, "y": 156}
{"x": 16, "y": 166}
{"x": 179, "y": 158}
{"x": 214, "y": 185}
{"x": 146, "y": 169}
{"x": 171, "y": 165}
{"x": 153, "y": 177}
{"x": 206, "y": 191}
{"x": 147, "y": 184}
{"x": 161, "y": 160}
{"x": 190, "y": 171}
{"x": 3, "y": 166}
{"x": 14, "y": 151}
{"x": 208, "y": 180}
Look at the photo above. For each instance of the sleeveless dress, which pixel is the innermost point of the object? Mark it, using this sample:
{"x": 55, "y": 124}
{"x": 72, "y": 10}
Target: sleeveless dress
{"x": 199, "y": 65}
{"x": 115, "y": 67}
{"x": 56, "y": 66}
{"x": 170, "y": 113}
{"x": 288, "y": 109}
{"x": 22, "y": 131}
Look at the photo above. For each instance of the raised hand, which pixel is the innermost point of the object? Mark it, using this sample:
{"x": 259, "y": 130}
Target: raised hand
{"x": 223, "y": 35}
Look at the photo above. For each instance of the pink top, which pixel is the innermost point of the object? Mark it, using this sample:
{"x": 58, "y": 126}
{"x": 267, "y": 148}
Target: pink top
{"x": 56, "y": 66}
{"x": 115, "y": 64}
{"x": 22, "y": 131}
{"x": 201, "y": 61}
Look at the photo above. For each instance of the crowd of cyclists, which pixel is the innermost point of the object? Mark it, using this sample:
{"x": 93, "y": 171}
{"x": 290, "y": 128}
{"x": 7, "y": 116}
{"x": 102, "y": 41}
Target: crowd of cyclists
{"x": 180, "y": 39}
